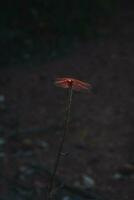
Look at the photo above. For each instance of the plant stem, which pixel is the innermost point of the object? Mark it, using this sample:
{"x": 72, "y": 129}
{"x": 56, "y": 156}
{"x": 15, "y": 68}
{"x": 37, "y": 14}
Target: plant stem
{"x": 66, "y": 127}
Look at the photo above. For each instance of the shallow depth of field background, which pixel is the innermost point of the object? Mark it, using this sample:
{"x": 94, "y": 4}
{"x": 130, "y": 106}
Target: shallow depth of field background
{"x": 87, "y": 40}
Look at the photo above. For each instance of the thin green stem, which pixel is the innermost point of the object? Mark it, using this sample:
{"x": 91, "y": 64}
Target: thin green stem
{"x": 66, "y": 127}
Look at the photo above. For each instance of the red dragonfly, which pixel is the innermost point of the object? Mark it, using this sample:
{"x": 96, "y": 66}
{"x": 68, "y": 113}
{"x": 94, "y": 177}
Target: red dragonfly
{"x": 71, "y": 82}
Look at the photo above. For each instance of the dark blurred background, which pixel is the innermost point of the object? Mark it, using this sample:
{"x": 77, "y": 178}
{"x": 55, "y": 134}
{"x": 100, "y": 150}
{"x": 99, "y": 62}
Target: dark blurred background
{"x": 40, "y": 28}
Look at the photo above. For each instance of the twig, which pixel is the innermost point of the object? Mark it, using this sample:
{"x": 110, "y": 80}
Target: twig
{"x": 51, "y": 183}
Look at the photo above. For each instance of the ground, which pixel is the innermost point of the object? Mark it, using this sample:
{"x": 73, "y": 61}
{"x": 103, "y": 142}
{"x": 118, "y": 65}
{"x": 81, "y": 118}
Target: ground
{"x": 101, "y": 140}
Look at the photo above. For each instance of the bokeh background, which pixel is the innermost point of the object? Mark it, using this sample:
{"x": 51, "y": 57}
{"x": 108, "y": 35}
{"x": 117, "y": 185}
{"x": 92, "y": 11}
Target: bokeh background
{"x": 87, "y": 40}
